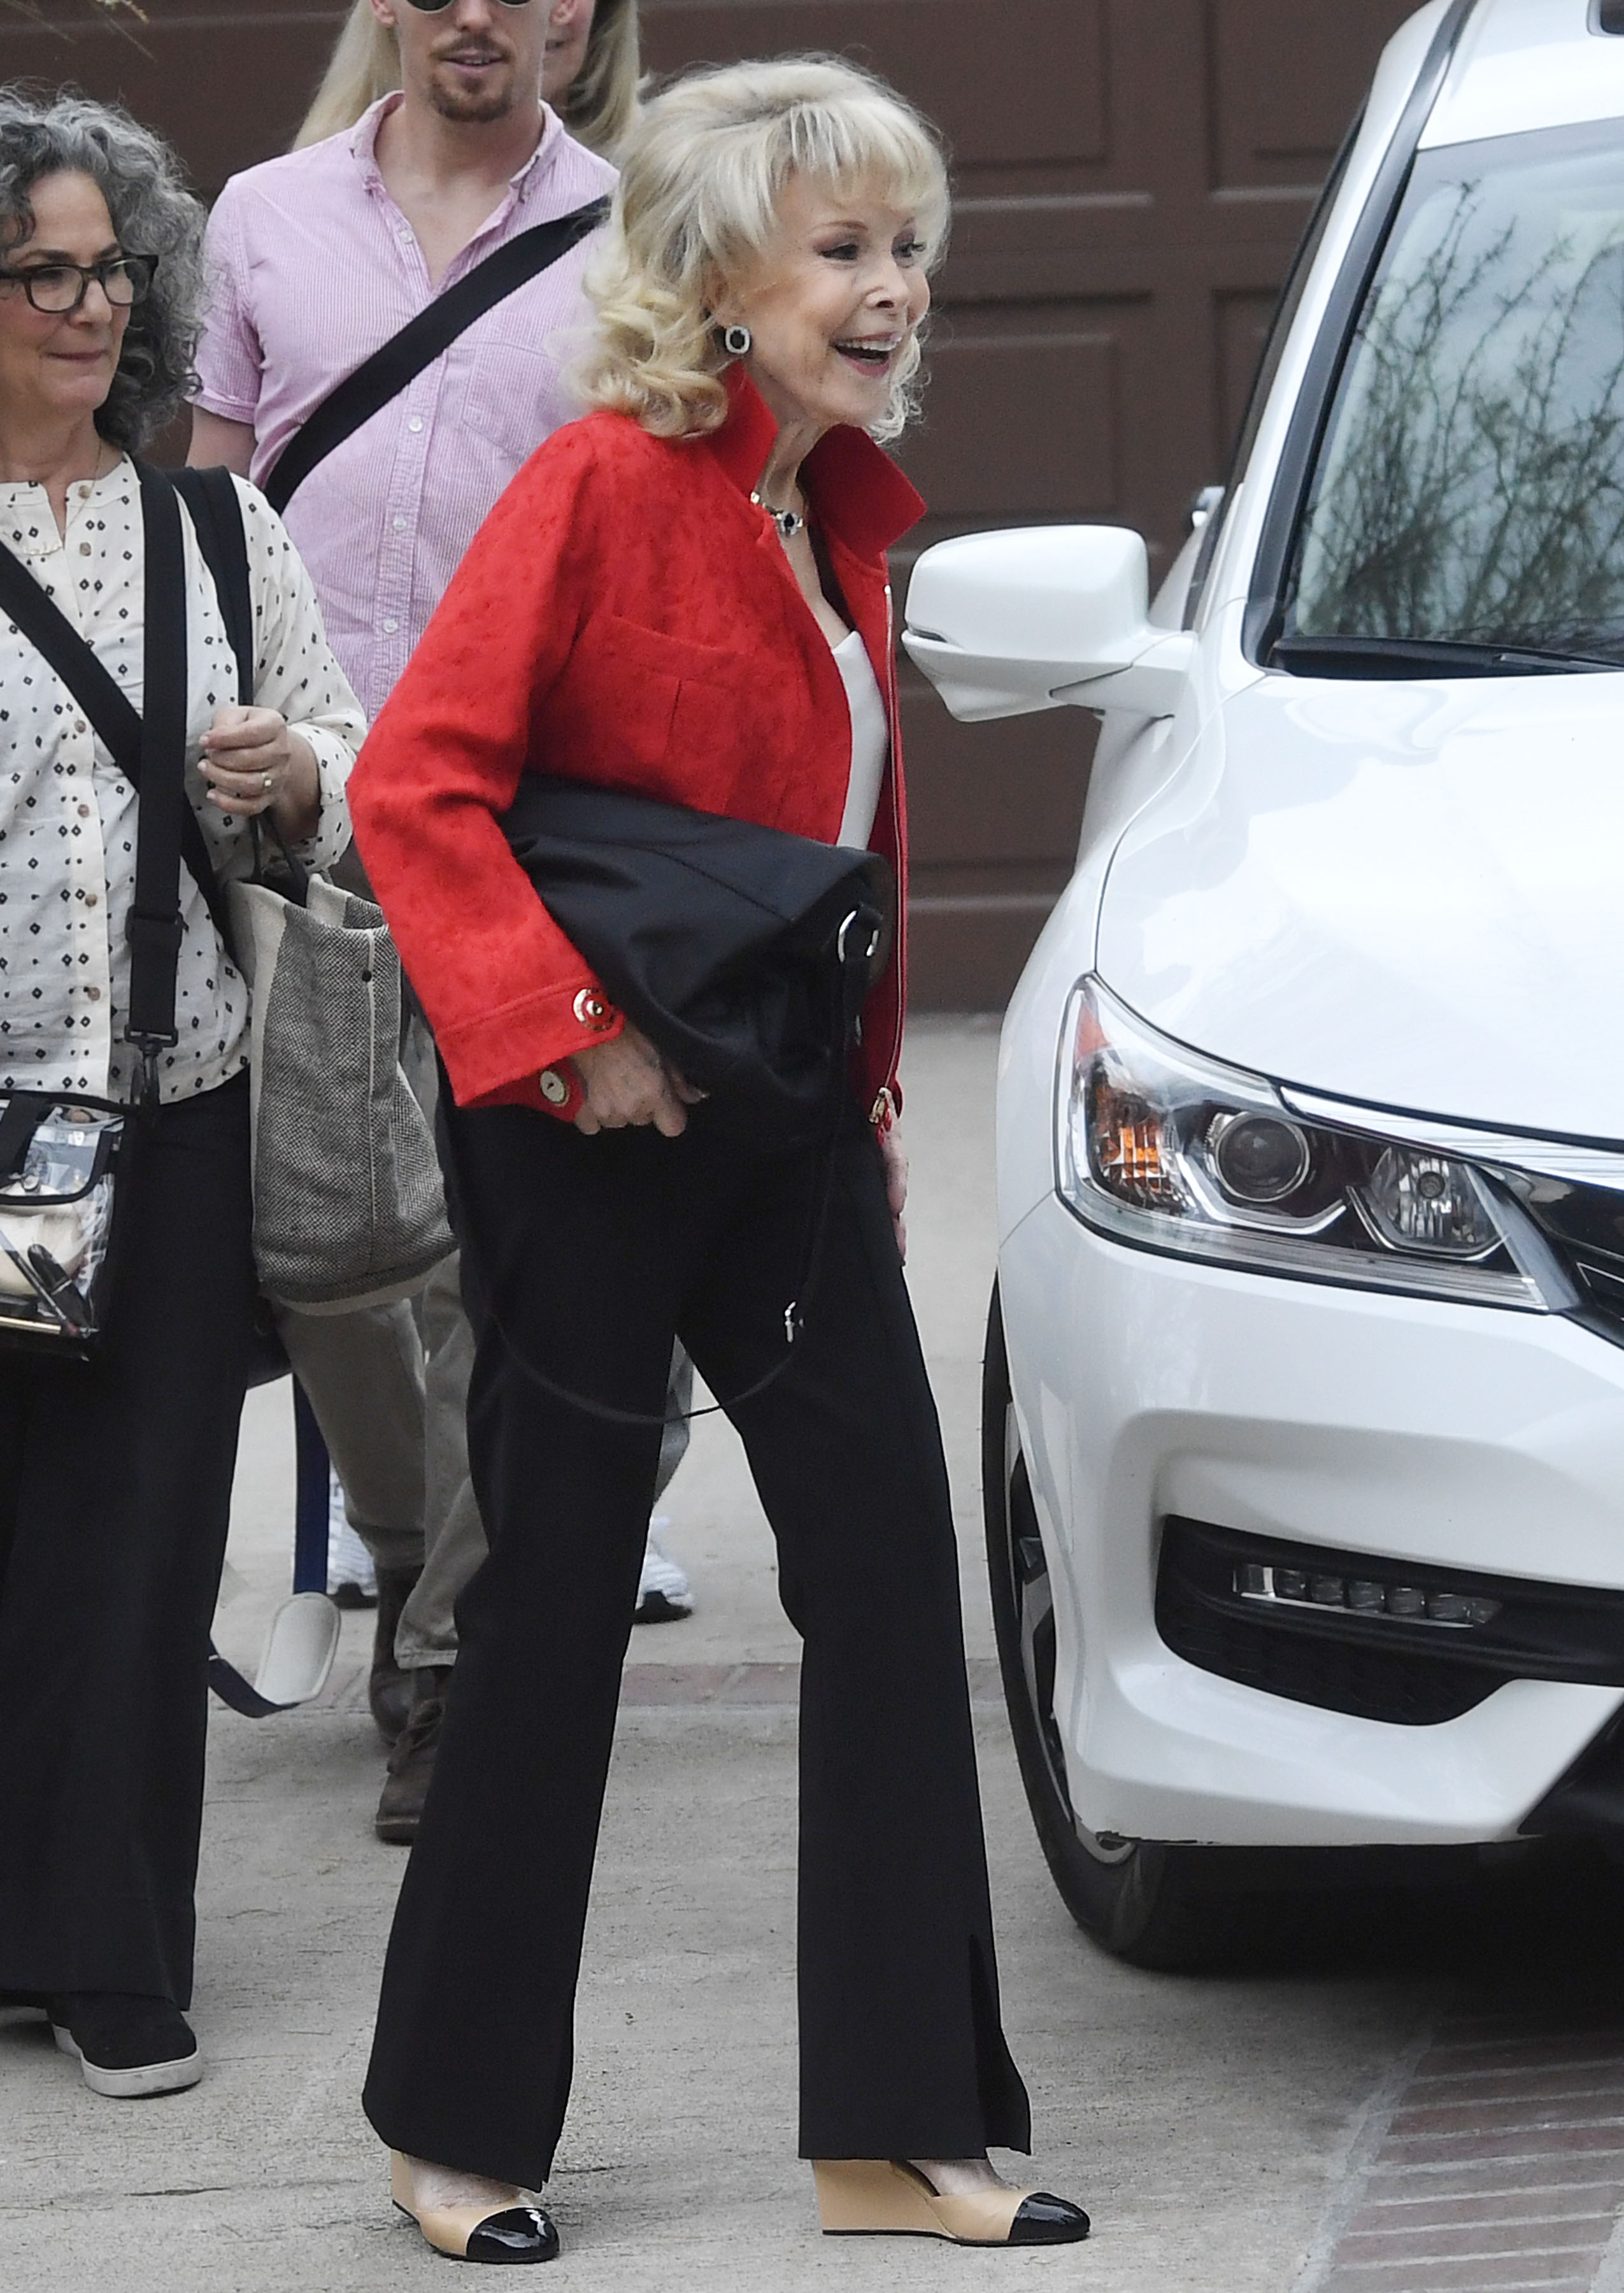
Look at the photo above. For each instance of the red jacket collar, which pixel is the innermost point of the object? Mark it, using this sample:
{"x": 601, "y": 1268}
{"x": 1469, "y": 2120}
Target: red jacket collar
{"x": 861, "y": 494}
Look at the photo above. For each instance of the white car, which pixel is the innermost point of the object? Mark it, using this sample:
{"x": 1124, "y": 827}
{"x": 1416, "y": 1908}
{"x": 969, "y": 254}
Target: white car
{"x": 1305, "y": 1394}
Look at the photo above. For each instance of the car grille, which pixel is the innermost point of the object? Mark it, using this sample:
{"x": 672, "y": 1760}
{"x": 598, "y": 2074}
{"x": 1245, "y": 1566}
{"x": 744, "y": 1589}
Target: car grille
{"x": 1423, "y": 1644}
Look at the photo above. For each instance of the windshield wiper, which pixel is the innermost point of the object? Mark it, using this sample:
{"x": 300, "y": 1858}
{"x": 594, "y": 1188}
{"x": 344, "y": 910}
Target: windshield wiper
{"x": 1426, "y": 657}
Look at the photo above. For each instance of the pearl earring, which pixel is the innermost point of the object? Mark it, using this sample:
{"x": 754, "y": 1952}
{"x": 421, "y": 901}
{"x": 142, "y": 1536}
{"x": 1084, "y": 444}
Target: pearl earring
{"x": 737, "y": 340}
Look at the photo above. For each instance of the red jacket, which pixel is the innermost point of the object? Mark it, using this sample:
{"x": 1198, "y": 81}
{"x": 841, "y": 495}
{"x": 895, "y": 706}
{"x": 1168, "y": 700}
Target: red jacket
{"x": 625, "y": 616}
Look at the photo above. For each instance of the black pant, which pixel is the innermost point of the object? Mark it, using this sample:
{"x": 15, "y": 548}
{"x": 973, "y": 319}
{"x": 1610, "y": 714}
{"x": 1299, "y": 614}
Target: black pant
{"x": 114, "y": 1494}
{"x": 591, "y": 1253}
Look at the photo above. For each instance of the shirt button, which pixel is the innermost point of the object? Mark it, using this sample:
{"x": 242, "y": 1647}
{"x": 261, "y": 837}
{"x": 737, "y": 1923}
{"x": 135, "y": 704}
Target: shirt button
{"x": 389, "y": 627}
{"x": 85, "y": 550}
{"x": 554, "y": 1089}
{"x": 84, "y": 811}
{"x": 400, "y": 524}
{"x": 415, "y": 423}
{"x": 92, "y": 899}
{"x": 95, "y": 995}
{"x": 79, "y": 725}
{"x": 84, "y": 493}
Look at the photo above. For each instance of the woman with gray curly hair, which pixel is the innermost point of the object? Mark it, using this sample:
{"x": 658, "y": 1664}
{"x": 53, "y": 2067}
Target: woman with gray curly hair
{"x": 683, "y": 597}
{"x": 116, "y": 1472}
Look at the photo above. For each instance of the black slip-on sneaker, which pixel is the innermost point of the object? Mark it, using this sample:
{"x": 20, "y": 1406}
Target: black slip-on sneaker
{"x": 126, "y": 2047}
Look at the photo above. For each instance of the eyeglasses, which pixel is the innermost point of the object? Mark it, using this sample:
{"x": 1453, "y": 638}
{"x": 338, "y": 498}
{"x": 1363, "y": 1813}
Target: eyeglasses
{"x": 57, "y": 288}
{"x": 433, "y": 7}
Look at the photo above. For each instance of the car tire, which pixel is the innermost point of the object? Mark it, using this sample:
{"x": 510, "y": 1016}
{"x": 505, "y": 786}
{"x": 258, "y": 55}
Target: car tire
{"x": 1143, "y": 1901}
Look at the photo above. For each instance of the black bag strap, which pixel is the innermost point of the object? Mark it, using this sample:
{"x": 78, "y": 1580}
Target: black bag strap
{"x": 240, "y": 1694}
{"x": 93, "y": 685}
{"x": 149, "y": 750}
{"x": 154, "y": 927}
{"x": 216, "y": 515}
{"x": 420, "y": 342}
{"x": 20, "y": 1117}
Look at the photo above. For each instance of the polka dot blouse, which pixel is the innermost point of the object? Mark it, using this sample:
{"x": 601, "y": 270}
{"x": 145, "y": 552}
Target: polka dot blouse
{"x": 68, "y": 815}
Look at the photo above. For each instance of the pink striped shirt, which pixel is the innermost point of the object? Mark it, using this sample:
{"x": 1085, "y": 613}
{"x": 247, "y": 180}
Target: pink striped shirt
{"x": 313, "y": 265}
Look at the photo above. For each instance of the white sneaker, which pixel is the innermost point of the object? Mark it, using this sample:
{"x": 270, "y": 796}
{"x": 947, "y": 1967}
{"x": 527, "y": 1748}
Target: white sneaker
{"x": 662, "y": 1592}
{"x": 352, "y": 1579}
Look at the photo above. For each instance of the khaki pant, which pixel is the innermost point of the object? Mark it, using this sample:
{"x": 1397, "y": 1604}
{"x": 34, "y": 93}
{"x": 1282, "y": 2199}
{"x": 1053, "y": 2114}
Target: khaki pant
{"x": 389, "y": 1386}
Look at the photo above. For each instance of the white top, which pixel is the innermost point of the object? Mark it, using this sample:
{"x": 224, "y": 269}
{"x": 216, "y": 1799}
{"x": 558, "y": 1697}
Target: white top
{"x": 68, "y": 815}
{"x": 870, "y": 740}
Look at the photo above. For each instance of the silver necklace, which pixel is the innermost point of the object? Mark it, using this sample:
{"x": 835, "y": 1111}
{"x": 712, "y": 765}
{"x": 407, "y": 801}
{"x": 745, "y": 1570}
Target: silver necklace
{"x": 789, "y": 522}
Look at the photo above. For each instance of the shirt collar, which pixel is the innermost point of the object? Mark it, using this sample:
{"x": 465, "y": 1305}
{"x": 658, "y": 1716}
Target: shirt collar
{"x": 859, "y": 492}
{"x": 28, "y": 525}
{"x": 364, "y": 141}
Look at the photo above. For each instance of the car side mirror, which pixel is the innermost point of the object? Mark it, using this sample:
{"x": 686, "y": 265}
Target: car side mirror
{"x": 1040, "y": 617}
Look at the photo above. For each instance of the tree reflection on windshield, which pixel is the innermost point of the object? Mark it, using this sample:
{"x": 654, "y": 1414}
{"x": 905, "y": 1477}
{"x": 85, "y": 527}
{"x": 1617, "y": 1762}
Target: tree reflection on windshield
{"x": 1471, "y": 486}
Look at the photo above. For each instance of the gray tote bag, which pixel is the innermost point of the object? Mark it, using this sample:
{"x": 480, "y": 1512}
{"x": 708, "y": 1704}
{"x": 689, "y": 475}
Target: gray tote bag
{"x": 349, "y": 1209}
{"x": 348, "y": 1206}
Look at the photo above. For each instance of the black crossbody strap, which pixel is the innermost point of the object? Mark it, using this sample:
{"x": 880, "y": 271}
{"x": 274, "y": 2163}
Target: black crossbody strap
{"x": 51, "y": 633}
{"x": 216, "y": 515}
{"x": 156, "y": 927}
{"x": 420, "y": 342}
{"x": 402, "y": 358}
{"x": 53, "y": 636}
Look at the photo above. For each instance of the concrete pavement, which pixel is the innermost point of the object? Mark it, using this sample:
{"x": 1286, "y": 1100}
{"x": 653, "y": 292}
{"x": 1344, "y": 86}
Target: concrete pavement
{"x": 1210, "y": 2125}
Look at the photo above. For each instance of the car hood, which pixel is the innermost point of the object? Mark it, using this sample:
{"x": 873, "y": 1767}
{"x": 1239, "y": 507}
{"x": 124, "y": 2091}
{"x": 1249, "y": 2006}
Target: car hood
{"x": 1409, "y": 894}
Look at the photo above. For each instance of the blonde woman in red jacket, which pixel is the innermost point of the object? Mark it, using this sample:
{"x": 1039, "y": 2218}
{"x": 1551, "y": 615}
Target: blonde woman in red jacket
{"x": 686, "y": 595}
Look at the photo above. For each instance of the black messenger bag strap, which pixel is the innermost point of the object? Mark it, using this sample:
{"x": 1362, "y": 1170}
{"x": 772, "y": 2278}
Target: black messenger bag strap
{"x": 216, "y": 515}
{"x": 55, "y": 637}
{"x": 420, "y": 342}
{"x": 156, "y": 925}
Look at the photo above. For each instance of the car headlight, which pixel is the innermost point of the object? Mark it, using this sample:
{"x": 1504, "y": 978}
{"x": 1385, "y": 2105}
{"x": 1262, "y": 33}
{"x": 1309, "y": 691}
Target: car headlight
{"x": 1159, "y": 1145}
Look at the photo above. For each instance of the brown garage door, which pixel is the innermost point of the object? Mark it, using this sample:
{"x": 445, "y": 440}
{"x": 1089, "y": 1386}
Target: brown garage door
{"x": 226, "y": 80}
{"x": 1131, "y": 177}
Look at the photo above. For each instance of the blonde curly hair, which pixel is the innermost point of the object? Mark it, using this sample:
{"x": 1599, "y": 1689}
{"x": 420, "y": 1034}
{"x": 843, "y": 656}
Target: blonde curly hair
{"x": 696, "y": 208}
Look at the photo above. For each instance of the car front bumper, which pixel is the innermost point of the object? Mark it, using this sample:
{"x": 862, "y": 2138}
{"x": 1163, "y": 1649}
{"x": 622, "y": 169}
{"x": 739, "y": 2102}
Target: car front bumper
{"x": 1148, "y": 1387}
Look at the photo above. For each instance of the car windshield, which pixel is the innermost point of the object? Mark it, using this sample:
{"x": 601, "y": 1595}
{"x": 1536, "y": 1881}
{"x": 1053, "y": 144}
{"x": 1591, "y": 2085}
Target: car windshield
{"x": 1470, "y": 485}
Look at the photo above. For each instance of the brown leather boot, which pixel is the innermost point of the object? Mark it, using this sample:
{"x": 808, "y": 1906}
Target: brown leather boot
{"x": 411, "y": 1763}
{"x": 388, "y": 1689}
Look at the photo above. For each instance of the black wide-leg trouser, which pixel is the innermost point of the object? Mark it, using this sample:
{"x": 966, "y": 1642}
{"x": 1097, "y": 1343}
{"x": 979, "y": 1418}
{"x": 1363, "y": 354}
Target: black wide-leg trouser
{"x": 584, "y": 1257}
{"x": 115, "y": 1495}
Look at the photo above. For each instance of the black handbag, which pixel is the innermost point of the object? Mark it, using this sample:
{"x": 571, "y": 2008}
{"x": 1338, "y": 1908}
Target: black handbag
{"x": 743, "y": 953}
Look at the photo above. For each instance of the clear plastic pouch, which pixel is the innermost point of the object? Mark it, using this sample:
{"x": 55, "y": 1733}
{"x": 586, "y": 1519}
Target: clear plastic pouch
{"x": 58, "y": 1167}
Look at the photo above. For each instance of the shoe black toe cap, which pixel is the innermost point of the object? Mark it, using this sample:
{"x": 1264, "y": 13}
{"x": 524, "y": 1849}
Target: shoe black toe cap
{"x": 520, "y": 2234}
{"x": 1045, "y": 2220}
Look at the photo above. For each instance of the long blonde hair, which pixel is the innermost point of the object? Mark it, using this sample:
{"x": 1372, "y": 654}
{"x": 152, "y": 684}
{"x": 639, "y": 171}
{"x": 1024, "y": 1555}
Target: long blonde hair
{"x": 598, "y": 109}
{"x": 365, "y": 65}
{"x": 697, "y": 207}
